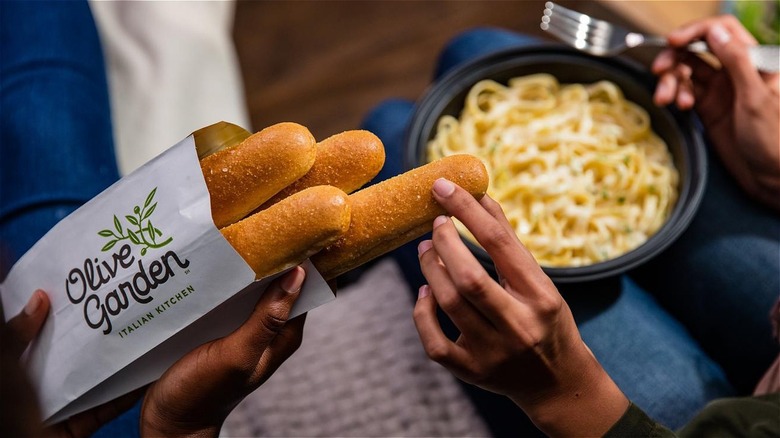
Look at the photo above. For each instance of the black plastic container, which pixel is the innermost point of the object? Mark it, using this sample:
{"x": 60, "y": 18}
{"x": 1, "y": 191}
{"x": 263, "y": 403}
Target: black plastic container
{"x": 571, "y": 66}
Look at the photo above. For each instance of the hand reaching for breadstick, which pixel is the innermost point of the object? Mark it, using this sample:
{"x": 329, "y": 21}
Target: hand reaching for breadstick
{"x": 517, "y": 336}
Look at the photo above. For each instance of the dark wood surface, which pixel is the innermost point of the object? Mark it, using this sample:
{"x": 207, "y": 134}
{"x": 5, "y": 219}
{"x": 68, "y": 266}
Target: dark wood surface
{"x": 325, "y": 64}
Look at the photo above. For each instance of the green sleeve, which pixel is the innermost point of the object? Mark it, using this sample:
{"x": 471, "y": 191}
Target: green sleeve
{"x": 635, "y": 423}
{"x": 757, "y": 416}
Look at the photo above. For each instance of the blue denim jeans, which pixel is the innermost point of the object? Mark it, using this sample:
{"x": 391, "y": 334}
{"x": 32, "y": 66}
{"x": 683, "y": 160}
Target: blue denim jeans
{"x": 56, "y": 140}
{"x": 55, "y": 130}
{"x": 684, "y": 329}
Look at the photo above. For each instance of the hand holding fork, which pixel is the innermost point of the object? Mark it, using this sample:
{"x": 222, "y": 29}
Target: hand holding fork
{"x": 602, "y": 38}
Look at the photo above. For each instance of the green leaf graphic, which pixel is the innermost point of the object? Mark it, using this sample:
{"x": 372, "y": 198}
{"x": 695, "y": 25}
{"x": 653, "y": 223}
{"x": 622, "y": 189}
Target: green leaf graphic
{"x": 118, "y": 225}
{"x": 149, "y": 212}
{"x": 150, "y": 230}
{"x": 149, "y": 198}
{"x": 142, "y": 220}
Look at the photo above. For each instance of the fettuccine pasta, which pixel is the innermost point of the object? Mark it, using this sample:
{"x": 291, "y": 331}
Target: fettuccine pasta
{"x": 577, "y": 168}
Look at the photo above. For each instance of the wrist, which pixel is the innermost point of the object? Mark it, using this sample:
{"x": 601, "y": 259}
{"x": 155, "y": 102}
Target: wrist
{"x": 586, "y": 402}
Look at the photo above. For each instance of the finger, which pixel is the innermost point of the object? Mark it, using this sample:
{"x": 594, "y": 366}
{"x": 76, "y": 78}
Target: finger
{"x": 729, "y": 41}
{"x": 735, "y": 58}
{"x": 289, "y": 339}
{"x": 701, "y": 71}
{"x": 283, "y": 346}
{"x": 663, "y": 62}
{"x": 462, "y": 313}
{"x": 435, "y": 343}
{"x": 25, "y": 326}
{"x": 469, "y": 278}
{"x": 495, "y": 210}
{"x": 737, "y": 29}
{"x": 510, "y": 257}
{"x": 685, "y": 98}
{"x": 268, "y": 318}
{"x": 698, "y": 30}
{"x": 666, "y": 90}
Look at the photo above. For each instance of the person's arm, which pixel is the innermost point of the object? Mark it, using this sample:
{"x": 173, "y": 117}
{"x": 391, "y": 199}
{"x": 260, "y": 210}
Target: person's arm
{"x": 195, "y": 395}
{"x": 518, "y": 337}
{"x": 739, "y": 106}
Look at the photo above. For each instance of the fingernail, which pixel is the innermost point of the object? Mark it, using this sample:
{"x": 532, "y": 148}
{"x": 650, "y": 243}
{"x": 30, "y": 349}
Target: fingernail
{"x": 440, "y": 220}
{"x": 443, "y": 187}
{"x": 424, "y": 246}
{"x": 293, "y": 280}
{"x": 33, "y": 304}
{"x": 719, "y": 34}
{"x": 662, "y": 89}
{"x": 685, "y": 99}
{"x": 662, "y": 61}
{"x": 423, "y": 292}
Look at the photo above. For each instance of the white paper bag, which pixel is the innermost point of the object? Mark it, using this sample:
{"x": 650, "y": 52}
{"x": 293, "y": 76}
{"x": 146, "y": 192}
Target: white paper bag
{"x": 137, "y": 277}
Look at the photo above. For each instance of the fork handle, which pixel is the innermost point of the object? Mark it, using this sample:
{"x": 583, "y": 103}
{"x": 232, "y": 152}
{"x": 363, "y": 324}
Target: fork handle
{"x": 659, "y": 41}
{"x": 766, "y": 58}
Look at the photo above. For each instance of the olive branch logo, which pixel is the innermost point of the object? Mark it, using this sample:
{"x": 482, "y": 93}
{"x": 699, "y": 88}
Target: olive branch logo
{"x": 145, "y": 235}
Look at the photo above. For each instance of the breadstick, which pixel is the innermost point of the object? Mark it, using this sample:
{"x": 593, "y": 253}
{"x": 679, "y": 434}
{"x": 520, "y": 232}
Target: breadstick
{"x": 242, "y": 177}
{"x": 290, "y": 231}
{"x": 398, "y": 210}
{"x": 347, "y": 160}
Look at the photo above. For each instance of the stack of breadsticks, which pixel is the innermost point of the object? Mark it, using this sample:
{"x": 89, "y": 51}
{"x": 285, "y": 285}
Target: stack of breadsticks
{"x": 279, "y": 197}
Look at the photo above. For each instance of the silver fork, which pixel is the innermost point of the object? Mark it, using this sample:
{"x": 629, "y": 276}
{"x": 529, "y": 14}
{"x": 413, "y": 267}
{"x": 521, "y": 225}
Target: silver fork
{"x": 602, "y": 38}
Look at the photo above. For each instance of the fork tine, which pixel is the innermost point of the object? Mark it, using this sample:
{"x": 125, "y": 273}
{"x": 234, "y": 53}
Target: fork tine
{"x": 576, "y": 26}
{"x": 577, "y": 17}
{"x": 580, "y": 23}
{"x": 587, "y": 34}
{"x": 589, "y": 43}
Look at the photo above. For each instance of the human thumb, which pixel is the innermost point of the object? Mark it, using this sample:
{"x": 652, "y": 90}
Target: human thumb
{"x": 734, "y": 56}
{"x": 25, "y": 326}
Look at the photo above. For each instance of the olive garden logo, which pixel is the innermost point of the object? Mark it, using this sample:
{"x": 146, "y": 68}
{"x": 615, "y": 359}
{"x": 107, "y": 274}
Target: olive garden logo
{"x": 144, "y": 236}
{"x": 86, "y": 283}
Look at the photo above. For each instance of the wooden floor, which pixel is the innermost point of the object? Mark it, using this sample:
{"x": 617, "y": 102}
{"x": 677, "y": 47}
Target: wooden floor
{"x": 324, "y": 64}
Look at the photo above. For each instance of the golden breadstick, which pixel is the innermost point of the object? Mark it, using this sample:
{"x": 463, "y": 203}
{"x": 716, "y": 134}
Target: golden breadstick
{"x": 242, "y": 177}
{"x": 347, "y": 160}
{"x": 398, "y": 210}
{"x": 290, "y": 231}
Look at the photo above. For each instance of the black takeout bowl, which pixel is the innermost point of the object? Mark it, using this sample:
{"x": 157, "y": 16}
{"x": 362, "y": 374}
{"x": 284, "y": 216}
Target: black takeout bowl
{"x": 571, "y": 66}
